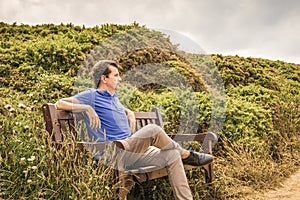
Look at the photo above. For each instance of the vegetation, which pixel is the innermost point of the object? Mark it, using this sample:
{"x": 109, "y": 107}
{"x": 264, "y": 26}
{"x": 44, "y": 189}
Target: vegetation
{"x": 258, "y": 146}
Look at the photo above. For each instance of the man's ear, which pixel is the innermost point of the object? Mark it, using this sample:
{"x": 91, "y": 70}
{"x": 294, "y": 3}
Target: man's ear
{"x": 103, "y": 78}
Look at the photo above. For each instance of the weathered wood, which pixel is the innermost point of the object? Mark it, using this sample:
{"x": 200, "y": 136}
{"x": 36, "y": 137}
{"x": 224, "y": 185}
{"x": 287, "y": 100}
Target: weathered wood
{"x": 145, "y": 115}
{"x": 158, "y": 120}
{"x": 52, "y": 123}
{"x": 60, "y": 124}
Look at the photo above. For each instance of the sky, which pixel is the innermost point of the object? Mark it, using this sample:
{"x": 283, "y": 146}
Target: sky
{"x": 267, "y": 29}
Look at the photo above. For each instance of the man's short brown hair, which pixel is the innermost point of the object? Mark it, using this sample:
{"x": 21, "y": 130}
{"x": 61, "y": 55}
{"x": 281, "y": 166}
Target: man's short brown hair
{"x": 102, "y": 68}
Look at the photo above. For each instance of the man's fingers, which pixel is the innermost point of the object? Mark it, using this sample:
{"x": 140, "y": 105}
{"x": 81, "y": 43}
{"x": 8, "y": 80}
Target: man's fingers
{"x": 98, "y": 123}
{"x": 132, "y": 129}
{"x": 94, "y": 122}
{"x": 94, "y": 119}
{"x": 132, "y": 126}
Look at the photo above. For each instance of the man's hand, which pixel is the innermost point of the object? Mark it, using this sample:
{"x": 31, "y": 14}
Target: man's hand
{"x": 72, "y": 104}
{"x": 131, "y": 120}
{"x": 93, "y": 117}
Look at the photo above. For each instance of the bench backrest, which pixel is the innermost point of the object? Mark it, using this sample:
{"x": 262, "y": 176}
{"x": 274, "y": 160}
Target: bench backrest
{"x": 59, "y": 122}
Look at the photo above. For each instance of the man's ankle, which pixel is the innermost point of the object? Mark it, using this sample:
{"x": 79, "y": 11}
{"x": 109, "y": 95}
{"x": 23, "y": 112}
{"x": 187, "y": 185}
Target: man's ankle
{"x": 185, "y": 155}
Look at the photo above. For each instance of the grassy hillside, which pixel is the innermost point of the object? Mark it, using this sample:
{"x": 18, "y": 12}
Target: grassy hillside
{"x": 259, "y": 143}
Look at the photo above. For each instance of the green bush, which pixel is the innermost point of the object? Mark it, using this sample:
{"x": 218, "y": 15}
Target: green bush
{"x": 39, "y": 64}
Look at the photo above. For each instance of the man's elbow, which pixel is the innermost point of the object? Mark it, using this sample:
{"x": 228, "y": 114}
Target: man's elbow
{"x": 63, "y": 104}
{"x": 66, "y": 104}
{"x": 58, "y": 104}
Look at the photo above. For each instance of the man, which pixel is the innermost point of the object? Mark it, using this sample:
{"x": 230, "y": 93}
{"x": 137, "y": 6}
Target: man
{"x": 108, "y": 120}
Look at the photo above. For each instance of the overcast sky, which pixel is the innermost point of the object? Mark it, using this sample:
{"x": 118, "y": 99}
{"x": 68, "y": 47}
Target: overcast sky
{"x": 257, "y": 28}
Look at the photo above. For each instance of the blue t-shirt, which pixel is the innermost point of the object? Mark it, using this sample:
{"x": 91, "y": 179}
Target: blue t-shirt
{"x": 114, "y": 122}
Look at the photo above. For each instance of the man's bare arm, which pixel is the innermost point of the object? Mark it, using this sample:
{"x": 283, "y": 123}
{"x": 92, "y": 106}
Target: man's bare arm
{"x": 131, "y": 119}
{"x": 72, "y": 104}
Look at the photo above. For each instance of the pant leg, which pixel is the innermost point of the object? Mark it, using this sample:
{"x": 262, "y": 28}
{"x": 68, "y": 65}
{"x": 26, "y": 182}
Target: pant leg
{"x": 151, "y": 146}
{"x": 169, "y": 159}
{"x": 150, "y": 135}
{"x": 178, "y": 181}
{"x": 136, "y": 146}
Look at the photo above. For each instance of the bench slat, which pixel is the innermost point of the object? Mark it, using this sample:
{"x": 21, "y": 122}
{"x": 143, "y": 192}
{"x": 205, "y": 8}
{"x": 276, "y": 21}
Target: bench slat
{"x": 145, "y": 115}
{"x": 59, "y": 123}
{"x": 154, "y": 174}
{"x": 143, "y": 122}
{"x": 200, "y": 137}
{"x": 63, "y": 126}
{"x": 63, "y": 115}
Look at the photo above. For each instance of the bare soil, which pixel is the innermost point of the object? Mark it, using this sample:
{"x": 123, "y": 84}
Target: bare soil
{"x": 289, "y": 190}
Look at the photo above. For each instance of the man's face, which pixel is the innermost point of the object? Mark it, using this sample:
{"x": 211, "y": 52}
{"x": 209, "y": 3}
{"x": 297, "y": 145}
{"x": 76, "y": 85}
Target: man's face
{"x": 113, "y": 80}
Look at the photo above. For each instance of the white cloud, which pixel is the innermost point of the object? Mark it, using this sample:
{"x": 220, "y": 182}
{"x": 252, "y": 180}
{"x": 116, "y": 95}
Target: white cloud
{"x": 264, "y": 28}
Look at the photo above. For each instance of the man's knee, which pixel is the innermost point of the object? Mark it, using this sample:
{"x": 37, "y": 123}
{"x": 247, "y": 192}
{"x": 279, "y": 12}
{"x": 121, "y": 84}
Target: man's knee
{"x": 155, "y": 128}
{"x": 148, "y": 131}
{"x": 152, "y": 129}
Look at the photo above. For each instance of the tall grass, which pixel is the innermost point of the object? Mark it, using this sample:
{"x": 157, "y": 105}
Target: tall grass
{"x": 39, "y": 170}
{"x": 259, "y": 145}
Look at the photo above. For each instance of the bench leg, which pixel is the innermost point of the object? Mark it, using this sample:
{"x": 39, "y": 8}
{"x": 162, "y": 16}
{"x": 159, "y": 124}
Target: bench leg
{"x": 126, "y": 184}
{"x": 209, "y": 175}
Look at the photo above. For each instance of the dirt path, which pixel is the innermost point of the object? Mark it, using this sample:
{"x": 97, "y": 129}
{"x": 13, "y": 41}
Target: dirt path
{"x": 290, "y": 189}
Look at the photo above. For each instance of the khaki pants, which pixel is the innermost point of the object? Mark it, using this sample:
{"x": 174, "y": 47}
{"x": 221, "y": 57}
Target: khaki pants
{"x": 151, "y": 146}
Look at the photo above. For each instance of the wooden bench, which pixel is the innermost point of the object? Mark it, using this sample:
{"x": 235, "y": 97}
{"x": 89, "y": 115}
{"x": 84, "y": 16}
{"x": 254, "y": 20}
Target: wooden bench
{"x": 59, "y": 122}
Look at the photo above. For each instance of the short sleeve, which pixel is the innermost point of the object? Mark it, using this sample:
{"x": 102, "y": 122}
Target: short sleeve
{"x": 86, "y": 97}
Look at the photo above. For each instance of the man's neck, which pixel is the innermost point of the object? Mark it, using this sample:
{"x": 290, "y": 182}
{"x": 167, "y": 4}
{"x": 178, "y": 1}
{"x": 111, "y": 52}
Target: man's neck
{"x": 111, "y": 92}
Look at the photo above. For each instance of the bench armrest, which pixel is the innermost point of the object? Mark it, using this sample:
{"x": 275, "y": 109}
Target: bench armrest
{"x": 208, "y": 139}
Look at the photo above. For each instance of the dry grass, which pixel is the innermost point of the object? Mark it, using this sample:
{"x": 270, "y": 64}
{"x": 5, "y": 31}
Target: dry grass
{"x": 244, "y": 171}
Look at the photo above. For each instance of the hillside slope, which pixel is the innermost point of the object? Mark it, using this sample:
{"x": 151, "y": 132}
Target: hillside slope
{"x": 258, "y": 110}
